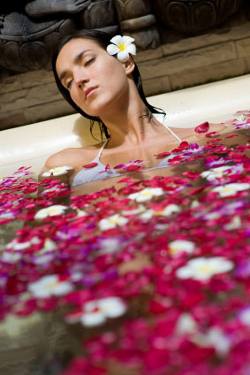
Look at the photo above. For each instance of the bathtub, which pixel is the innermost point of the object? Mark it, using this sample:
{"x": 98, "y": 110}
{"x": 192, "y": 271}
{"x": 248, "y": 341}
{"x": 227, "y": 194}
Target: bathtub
{"x": 30, "y": 145}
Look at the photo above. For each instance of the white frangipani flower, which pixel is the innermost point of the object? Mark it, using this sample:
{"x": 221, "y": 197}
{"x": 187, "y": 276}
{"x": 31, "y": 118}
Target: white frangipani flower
{"x": 48, "y": 286}
{"x": 15, "y": 245}
{"x": 58, "y": 171}
{"x": 98, "y": 311}
{"x": 167, "y": 211}
{"x": 235, "y": 223}
{"x": 244, "y": 316}
{"x": 231, "y": 189}
{"x": 10, "y": 257}
{"x": 122, "y": 46}
{"x": 186, "y": 324}
{"x": 112, "y": 221}
{"x": 135, "y": 211}
{"x": 214, "y": 173}
{"x": 146, "y": 194}
{"x": 180, "y": 246}
{"x": 48, "y": 246}
{"x": 109, "y": 246}
{"x": 215, "y": 338}
{"x": 57, "y": 209}
{"x": 204, "y": 268}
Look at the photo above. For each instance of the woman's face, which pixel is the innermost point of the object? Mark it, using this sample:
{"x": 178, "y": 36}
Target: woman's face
{"x": 96, "y": 81}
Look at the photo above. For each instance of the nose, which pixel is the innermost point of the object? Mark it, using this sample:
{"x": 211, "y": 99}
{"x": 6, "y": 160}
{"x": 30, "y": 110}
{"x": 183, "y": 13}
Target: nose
{"x": 80, "y": 77}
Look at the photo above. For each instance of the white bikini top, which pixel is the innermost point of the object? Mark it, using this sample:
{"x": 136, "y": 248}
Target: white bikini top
{"x": 98, "y": 172}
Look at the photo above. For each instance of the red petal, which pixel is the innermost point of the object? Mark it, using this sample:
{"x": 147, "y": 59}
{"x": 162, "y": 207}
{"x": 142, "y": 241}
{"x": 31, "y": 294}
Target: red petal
{"x": 162, "y": 154}
{"x": 91, "y": 165}
{"x": 183, "y": 145}
{"x": 209, "y": 135}
{"x": 202, "y": 128}
{"x": 133, "y": 168}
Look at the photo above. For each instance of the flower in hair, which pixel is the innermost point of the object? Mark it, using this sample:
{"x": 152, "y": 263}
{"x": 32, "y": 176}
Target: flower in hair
{"x": 122, "y": 46}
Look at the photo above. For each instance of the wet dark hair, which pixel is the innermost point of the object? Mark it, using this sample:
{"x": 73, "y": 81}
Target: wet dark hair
{"x": 103, "y": 40}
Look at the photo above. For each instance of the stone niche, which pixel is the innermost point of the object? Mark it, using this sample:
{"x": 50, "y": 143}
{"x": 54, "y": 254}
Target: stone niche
{"x": 180, "y": 43}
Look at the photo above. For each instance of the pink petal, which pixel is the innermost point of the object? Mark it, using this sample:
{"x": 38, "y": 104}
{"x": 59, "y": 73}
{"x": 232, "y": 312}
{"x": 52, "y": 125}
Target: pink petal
{"x": 91, "y": 165}
{"x": 202, "y": 128}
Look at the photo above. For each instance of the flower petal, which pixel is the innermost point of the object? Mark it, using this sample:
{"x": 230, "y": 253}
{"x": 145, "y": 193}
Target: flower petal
{"x": 123, "y": 56}
{"x": 93, "y": 319}
{"x": 127, "y": 40}
{"x": 131, "y": 48}
{"x": 112, "y": 49}
{"x": 117, "y": 39}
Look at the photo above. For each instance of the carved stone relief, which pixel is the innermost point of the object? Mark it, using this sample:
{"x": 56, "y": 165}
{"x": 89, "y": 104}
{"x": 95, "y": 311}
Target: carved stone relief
{"x": 29, "y": 33}
{"x": 194, "y": 16}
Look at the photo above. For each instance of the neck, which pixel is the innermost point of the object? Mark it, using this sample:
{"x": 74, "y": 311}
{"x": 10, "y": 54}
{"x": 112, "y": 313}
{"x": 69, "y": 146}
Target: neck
{"x": 129, "y": 124}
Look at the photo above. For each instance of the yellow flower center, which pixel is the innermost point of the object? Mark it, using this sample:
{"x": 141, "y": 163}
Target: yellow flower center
{"x": 174, "y": 250}
{"x": 158, "y": 213}
{"x": 205, "y": 269}
{"x": 52, "y": 285}
{"x": 122, "y": 47}
{"x": 146, "y": 193}
{"x": 52, "y": 210}
{"x": 114, "y": 221}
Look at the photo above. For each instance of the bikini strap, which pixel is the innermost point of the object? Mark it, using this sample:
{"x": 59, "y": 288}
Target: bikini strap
{"x": 101, "y": 149}
{"x": 171, "y": 131}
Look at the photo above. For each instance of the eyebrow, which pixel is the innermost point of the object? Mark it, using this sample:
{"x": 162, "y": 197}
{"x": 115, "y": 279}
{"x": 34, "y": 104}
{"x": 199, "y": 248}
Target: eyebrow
{"x": 77, "y": 59}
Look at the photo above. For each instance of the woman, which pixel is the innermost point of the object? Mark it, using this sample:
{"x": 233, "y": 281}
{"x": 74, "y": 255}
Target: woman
{"x": 97, "y": 75}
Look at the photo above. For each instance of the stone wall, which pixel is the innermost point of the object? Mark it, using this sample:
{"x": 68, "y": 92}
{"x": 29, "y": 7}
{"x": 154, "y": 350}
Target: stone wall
{"x": 178, "y": 63}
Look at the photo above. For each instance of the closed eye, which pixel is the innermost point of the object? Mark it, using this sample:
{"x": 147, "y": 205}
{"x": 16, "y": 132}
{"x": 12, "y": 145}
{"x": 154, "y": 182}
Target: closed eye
{"x": 68, "y": 84}
{"x": 89, "y": 61}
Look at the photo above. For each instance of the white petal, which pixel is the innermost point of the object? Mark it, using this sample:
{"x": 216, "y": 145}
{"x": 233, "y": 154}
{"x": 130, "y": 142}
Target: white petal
{"x": 131, "y": 48}
{"x": 112, "y": 49}
{"x": 123, "y": 56}
{"x": 112, "y": 306}
{"x": 184, "y": 272}
{"x": 127, "y": 40}
{"x": 62, "y": 288}
{"x": 94, "y": 319}
{"x": 118, "y": 39}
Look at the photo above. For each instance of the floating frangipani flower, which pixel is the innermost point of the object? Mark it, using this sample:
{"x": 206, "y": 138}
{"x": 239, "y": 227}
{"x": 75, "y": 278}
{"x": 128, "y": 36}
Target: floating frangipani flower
{"x": 180, "y": 246}
{"x": 50, "y": 285}
{"x": 219, "y": 172}
{"x": 81, "y": 213}
{"x": 48, "y": 246}
{"x": 214, "y": 337}
{"x": 6, "y": 215}
{"x": 98, "y": 311}
{"x": 54, "y": 210}
{"x": 122, "y": 46}
{"x": 235, "y": 223}
{"x": 109, "y": 245}
{"x": 43, "y": 259}
{"x": 10, "y": 257}
{"x": 244, "y": 316}
{"x": 195, "y": 204}
{"x": 167, "y": 211}
{"x": 230, "y": 189}
{"x": 58, "y": 171}
{"x": 204, "y": 268}
{"x": 135, "y": 211}
{"x": 146, "y": 194}
{"x": 186, "y": 324}
{"x": 112, "y": 222}
{"x": 15, "y": 245}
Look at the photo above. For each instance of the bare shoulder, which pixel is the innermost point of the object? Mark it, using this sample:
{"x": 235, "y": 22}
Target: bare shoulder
{"x": 72, "y": 157}
{"x": 58, "y": 159}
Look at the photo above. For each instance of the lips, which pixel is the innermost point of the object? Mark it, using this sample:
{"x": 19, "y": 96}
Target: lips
{"x": 88, "y": 91}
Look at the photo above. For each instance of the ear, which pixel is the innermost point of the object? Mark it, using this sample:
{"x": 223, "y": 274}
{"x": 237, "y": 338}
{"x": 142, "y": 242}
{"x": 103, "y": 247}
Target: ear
{"x": 129, "y": 65}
